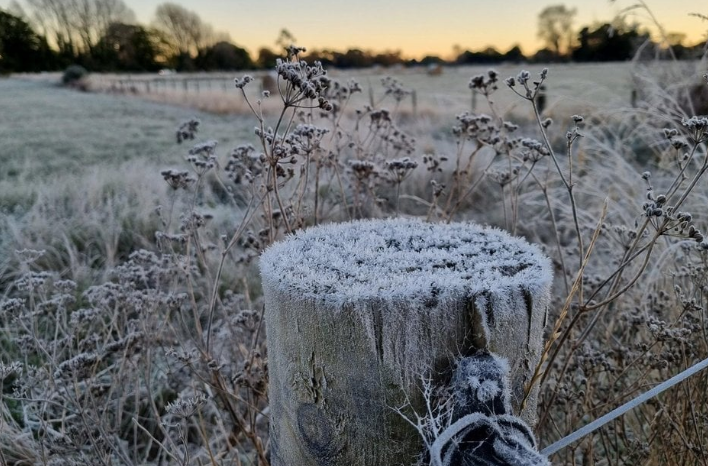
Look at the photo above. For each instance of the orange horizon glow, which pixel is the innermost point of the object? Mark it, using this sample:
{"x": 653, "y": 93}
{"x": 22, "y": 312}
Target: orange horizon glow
{"x": 418, "y": 28}
{"x": 435, "y": 30}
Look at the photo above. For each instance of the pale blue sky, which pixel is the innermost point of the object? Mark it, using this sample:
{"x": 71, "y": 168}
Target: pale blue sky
{"x": 415, "y": 27}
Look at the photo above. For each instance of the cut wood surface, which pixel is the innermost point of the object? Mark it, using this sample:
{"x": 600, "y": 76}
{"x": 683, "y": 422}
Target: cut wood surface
{"x": 357, "y": 313}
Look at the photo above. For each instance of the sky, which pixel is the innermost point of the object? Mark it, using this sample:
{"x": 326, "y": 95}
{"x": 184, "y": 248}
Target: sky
{"x": 415, "y": 27}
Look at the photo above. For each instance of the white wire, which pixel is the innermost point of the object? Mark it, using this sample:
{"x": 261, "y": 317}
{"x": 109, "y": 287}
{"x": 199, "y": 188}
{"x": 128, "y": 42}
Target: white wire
{"x": 596, "y": 424}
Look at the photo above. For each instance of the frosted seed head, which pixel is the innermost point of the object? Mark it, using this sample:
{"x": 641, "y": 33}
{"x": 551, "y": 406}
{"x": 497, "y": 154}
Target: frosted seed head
{"x": 28, "y": 256}
{"x": 240, "y": 83}
{"x": 187, "y": 130}
{"x": 523, "y": 77}
{"x": 187, "y": 406}
{"x": 8, "y": 370}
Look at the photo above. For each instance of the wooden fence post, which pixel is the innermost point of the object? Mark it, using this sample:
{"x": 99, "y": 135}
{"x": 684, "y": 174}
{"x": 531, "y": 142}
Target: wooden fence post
{"x": 359, "y": 314}
{"x": 542, "y": 98}
{"x": 414, "y": 103}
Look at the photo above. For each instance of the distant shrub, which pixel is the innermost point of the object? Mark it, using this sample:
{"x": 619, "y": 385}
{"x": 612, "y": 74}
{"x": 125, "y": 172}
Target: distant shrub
{"x": 74, "y": 75}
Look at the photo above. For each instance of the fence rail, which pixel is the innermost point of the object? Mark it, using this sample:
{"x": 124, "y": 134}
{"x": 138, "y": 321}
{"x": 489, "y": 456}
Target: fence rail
{"x": 149, "y": 84}
{"x": 195, "y": 85}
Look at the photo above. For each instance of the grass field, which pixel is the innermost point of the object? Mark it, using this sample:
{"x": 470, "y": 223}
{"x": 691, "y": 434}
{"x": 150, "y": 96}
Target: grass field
{"x": 77, "y": 162}
{"x": 81, "y": 189}
{"x": 49, "y": 130}
{"x": 576, "y": 86}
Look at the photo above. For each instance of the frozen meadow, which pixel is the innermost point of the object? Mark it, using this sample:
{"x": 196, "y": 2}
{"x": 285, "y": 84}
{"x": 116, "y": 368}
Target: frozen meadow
{"x": 131, "y": 299}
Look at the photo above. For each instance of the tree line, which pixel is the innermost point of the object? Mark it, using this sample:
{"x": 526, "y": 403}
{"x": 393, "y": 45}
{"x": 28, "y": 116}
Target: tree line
{"x": 103, "y": 35}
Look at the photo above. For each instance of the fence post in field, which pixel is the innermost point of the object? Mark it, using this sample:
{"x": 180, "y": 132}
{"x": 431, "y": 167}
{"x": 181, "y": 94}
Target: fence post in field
{"x": 414, "y": 103}
{"x": 541, "y": 99}
{"x": 269, "y": 83}
{"x": 361, "y": 316}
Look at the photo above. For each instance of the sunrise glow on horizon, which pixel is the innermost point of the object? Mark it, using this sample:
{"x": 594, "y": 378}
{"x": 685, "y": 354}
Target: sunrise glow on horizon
{"x": 417, "y": 28}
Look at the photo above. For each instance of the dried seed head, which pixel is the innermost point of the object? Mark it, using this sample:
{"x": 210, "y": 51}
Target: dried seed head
{"x": 187, "y": 130}
{"x": 240, "y": 83}
{"x": 185, "y": 407}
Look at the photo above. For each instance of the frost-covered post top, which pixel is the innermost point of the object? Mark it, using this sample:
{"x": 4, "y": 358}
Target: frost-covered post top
{"x": 361, "y": 262}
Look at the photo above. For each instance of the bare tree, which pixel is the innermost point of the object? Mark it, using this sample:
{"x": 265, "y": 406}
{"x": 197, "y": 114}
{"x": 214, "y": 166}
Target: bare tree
{"x": 555, "y": 27}
{"x": 285, "y": 39}
{"x": 92, "y": 18}
{"x": 76, "y": 25}
{"x": 15, "y": 9}
{"x": 54, "y": 19}
{"x": 183, "y": 29}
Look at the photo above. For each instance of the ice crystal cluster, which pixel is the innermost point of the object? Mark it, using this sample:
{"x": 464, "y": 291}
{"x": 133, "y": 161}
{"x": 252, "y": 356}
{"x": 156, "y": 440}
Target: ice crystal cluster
{"x": 393, "y": 260}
